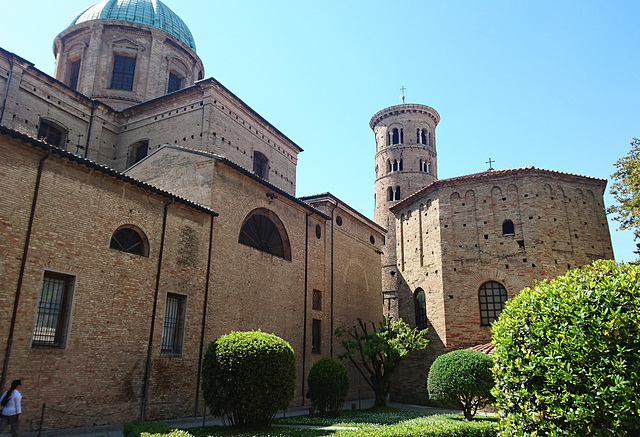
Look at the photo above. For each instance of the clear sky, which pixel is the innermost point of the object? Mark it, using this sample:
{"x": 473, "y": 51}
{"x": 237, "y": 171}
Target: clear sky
{"x": 552, "y": 84}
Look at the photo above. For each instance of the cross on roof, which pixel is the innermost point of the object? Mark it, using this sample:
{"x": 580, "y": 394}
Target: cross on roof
{"x": 402, "y": 95}
{"x": 490, "y": 161}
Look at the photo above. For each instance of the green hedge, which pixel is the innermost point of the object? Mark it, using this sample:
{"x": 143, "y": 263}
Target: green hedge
{"x": 248, "y": 377}
{"x": 328, "y": 385}
{"x": 135, "y": 429}
{"x": 462, "y": 378}
{"x": 567, "y": 355}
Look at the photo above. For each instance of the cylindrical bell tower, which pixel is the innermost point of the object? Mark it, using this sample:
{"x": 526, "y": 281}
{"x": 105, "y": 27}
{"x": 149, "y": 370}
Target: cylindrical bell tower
{"x": 406, "y": 161}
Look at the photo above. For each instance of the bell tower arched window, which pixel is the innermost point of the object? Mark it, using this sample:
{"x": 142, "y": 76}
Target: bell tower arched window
{"x": 397, "y": 194}
{"x": 390, "y": 193}
{"x": 508, "y": 228}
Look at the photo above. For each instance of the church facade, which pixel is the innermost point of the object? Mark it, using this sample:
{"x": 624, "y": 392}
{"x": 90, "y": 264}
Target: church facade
{"x": 147, "y": 210}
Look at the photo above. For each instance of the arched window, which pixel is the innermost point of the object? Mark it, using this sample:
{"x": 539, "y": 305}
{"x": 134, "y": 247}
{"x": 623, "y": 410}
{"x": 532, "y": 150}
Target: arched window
{"x": 389, "y": 166}
{"x": 130, "y": 239}
{"x": 395, "y": 165}
{"x": 508, "y": 228}
{"x": 395, "y": 136}
{"x": 261, "y": 165}
{"x": 492, "y": 297}
{"x": 137, "y": 152}
{"x": 400, "y": 166}
{"x": 397, "y": 197}
{"x": 420, "y": 304}
{"x": 390, "y": 193}
{"x": 263, "y": 230}
{"x": 423, "y": 136}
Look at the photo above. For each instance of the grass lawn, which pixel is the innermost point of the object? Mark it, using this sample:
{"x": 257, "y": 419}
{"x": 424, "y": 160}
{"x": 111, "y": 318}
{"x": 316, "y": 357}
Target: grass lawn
{"x": 378, "y": 422}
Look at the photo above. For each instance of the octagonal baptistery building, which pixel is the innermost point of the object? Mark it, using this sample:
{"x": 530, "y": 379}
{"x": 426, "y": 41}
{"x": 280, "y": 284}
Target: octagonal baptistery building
{"x": 124, "y": 52}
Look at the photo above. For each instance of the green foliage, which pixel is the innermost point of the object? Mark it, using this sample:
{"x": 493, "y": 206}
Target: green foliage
{"x": 172, "y": 433}
{"x": 136, "y": 429}
{"x": 328, "y": 384}
{"x": 379, "y": 350}
{"x": 567, "y": 355}
{"x": 626, "y": 190}
{"x": 462, "y": 378}
{"x": 248, "y": 377}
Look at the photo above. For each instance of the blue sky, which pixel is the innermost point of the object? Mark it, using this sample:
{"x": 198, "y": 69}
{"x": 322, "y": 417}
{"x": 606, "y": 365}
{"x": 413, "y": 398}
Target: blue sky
{"x": 553, "y": 84}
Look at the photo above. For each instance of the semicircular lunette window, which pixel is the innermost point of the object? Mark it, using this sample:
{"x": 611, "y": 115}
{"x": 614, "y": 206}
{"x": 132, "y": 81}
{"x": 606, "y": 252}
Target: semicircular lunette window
{"x": 263, "y": 230}
{"x": 130, "y": 240}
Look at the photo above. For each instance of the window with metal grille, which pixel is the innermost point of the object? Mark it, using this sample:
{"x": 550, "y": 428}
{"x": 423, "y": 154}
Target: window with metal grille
{"x": 74, "y": 75}
{"x": 124, "y": 68}
{"x": 420, "y": 304}
{"x": 131, "y": 240}
{"x": 50, "y": 134}
{"x": 263, "y": 230}
{"x": 52, "y": 319}
{"x": 175, "y": 83}
{"x": 492, "y": 297}
{"x": 317, "y": 300}
{"x": 173, "y": 327}
{"x": 316, "y": 336}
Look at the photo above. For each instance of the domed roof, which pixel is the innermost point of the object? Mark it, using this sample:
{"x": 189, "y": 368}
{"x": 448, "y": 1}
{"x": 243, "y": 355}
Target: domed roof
{"x": 150, "y": 12}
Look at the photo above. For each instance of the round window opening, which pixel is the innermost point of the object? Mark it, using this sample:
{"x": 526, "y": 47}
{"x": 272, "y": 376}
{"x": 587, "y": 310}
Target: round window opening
{"x": 318, "y": 232}
{"x": 339, "y": 221}
{"x": 372, "y": 239}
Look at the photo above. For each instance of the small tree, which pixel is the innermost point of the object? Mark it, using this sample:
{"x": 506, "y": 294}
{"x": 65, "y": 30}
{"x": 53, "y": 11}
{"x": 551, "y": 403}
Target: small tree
{"x": 248, "y": 377}
{"x": 626, "y": 190}
{"x": 329, "y": 384}
{"x": 462, "y": 378}
{"x": 379, "y": 351}
{"x": 567, "y": 355}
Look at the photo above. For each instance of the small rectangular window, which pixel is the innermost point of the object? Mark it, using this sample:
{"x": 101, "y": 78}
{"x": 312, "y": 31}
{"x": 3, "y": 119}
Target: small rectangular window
{"x": 123, "y": 70}
{"x": 173, "y": 328}
{"x": 316, "y": 336}
{"x": 52, "y": 318}
{"x": 317, "y": 300}
{"x": 74, "y": 75}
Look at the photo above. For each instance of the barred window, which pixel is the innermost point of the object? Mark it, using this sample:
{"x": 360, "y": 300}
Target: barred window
{"x": 173, "y": 328}
{"x": 317, "y": 300}
{"x": 52, "y": 319}
{"x": 51, "y": 134}
{"x": 420, "y": 303}
{"x": 492, "y": 297}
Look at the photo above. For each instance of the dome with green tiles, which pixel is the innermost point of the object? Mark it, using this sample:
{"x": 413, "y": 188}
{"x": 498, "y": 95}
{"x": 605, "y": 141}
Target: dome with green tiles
{"x": 149, "y": 12}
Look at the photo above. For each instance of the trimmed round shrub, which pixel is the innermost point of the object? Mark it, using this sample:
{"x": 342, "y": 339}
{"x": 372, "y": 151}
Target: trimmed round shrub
{"x": 567, "y": 355}
{"x": 462, "y": 378}
{"x": 328, "y": 385}
{"x": 248, "y": 377}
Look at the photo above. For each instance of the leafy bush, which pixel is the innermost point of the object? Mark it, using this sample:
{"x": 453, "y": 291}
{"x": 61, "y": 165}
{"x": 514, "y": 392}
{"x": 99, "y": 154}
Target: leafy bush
{"x": 248, "y": 377}
{"x": 462, "y": 378}
{"x": 328, "y": 384}
{"x": 135, "y": 429}
{"x": 567, "y": 355}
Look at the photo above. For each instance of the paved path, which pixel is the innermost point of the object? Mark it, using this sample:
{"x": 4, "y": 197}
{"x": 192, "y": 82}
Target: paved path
{"x": 192, "y": 422}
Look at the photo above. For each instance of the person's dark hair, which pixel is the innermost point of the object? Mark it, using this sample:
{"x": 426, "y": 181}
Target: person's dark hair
{"x": 14, "y": 385}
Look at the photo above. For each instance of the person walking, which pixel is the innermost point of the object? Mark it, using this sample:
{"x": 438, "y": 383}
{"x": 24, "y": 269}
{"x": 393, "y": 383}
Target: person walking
{"x": 11, "y": 408}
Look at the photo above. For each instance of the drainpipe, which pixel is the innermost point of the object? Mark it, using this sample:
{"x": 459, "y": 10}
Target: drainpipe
{"x": 204, "y": 318}
{"x": 147, "y": 368}
{"x": 86, "y": 146}
{"x": 23, "y": 264}
{"x": 306, "y": 291}
{"x": 6, "y": 90}
{"x": 332, "y": 222}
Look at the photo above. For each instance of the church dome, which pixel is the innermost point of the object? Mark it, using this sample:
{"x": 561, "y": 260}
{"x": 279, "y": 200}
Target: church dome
{"x": 149, "y": 12}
